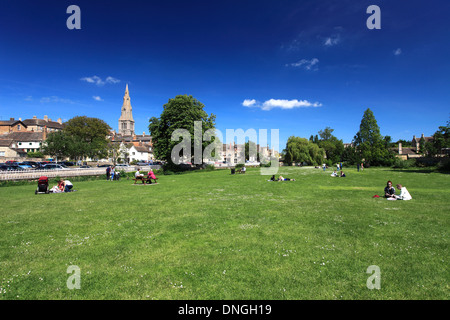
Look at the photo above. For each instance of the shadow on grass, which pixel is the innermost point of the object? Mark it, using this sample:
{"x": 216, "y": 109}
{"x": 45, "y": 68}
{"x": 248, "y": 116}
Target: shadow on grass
{"x": 419, "y": 170}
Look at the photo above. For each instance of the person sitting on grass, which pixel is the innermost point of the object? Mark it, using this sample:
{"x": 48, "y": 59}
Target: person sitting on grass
{"x": 59, "y": 188}
{"x": 342, "y": 174}
{"x": 68, "y": 186}
{"x": 243, "y": 169}
{"x": 389, "y": 190}
{"x": 404, "y": 194}
{"x": 281, "y": 178}
{"x": 334, "y": 174}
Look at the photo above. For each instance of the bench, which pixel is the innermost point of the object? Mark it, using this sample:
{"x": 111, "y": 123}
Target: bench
{"x": 144, "y": 180}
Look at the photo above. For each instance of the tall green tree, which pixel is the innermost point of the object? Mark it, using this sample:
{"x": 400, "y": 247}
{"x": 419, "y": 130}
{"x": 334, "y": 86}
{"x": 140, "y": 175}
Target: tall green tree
{"x": 59, "y": 144}
{"x": 369, "y": 142}
{"x": 332, "y": 146}
{"x": 302, "y": 150}
{"x": 91, "y": 136}
{"x": 179, "y": 113}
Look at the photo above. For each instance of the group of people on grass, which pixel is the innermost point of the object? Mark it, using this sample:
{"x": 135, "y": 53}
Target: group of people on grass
{"x": 334, "y": 174}
{"x": 150, "y": 175}
{"x": 111, "y": 173}
{"x": 389, "y": 192}
{"x": 62, "y": 186}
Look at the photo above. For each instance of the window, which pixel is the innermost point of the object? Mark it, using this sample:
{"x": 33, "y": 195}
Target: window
{"x": 31, "y": 144}
{"x": 18, "y": 127}
{"x": 20, "y": 143}
{"x": 2, "y": 153}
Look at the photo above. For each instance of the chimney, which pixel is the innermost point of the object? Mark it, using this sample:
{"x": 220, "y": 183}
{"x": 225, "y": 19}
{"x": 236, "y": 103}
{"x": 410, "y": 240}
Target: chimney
{"x": 11, "y": 119}
{"x": 143, "y": 134}
{"x": 34, "y": 117}
{"x": 400, "y": 148}
{"x": 49, "y": 119}
{"x": 59, "y": 121}
{"x": 423, "y": 136}
{"x": 46, "y": 118}
{"x": 20, "y": 119}
{"x": 44, "y": 134}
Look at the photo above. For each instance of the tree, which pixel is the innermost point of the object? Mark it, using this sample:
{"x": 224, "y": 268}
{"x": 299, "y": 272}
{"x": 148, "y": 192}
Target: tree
{"x": 326, "y": 134}
{"x": 250, "y": 144}
{"x": 302, "y": 150}
{"x": 90, "y": 135}
{"x": 58, "y": 144}
{"x": 369, "y": 142}
{"x": 179, "y": 113}
{"x": 440, "y": 143}
{"x": 332, "y": 146}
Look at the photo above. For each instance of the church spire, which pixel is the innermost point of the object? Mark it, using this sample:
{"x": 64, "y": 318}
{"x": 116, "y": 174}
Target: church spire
{"x": 126, "y": 121}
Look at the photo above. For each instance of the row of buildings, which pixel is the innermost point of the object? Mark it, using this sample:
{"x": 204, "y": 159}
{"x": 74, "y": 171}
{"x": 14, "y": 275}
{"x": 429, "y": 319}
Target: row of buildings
{"x": 20, "y": 137}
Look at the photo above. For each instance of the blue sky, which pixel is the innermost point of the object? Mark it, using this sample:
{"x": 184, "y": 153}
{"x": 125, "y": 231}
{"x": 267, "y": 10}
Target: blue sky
{"x": 297, "y": 66}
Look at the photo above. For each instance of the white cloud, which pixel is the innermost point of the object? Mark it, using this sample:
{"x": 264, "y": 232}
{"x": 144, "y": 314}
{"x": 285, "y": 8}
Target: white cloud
{"x": 98, "y": 81}
{"x": 97, "y": 98}
{"x": 29, "y": 98}
{"x": 281, "y": 103}
{"x": 112, "y": 80}
{"x": 331, "y": 41}
{"x": 398, "y": 52}
{"x": 248, "y": 102}
{"x": 306, "y": 64}
{"x": 55, "y": 99}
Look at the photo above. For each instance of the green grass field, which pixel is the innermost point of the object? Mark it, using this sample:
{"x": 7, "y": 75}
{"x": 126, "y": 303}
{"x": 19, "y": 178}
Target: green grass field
{"x": 212, "y": 235}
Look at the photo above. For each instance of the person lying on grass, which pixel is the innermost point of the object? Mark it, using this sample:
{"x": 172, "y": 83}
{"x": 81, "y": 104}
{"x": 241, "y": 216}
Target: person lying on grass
{"x": 281, "y": 178}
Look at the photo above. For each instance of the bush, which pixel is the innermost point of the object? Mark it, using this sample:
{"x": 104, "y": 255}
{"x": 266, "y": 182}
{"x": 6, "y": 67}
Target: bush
{"x": 444, "y": 165}
{"x": 403, "y": 164}
{"x": 37, "y": 154}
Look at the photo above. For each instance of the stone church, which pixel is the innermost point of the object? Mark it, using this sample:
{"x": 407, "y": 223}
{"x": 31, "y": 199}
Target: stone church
{"x": 139, "y": 146}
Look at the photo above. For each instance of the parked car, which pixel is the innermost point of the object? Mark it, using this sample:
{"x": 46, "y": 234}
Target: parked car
{"x": 143, "y": 163}
{"x": 85, "y": 167}
{"x": 11, "y": 167}
{"x": 24, "y": 165}
{"x": 33, "y": 164}
{"x": 66, "y": 163}
{"x": 122, "y": 165}
{"x": 54, "y": 166}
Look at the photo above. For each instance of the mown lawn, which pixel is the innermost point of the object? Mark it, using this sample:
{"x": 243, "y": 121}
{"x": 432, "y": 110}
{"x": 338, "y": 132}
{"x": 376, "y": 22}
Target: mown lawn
{"x": 212, "y": 235}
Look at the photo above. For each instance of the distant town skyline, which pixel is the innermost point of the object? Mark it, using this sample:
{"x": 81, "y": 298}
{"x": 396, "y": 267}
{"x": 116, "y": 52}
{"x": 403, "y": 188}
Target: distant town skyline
{"x": 296, "y": 66}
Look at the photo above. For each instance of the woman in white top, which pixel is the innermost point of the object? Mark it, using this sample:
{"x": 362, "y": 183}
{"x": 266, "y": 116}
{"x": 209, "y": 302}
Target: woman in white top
{"x": 404, "y": 194}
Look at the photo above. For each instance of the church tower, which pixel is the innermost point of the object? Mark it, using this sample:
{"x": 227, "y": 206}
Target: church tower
{"x": 126, "y": 122}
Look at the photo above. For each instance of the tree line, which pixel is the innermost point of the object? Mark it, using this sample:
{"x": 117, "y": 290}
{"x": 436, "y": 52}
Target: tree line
{"x": 83, "y": 137}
